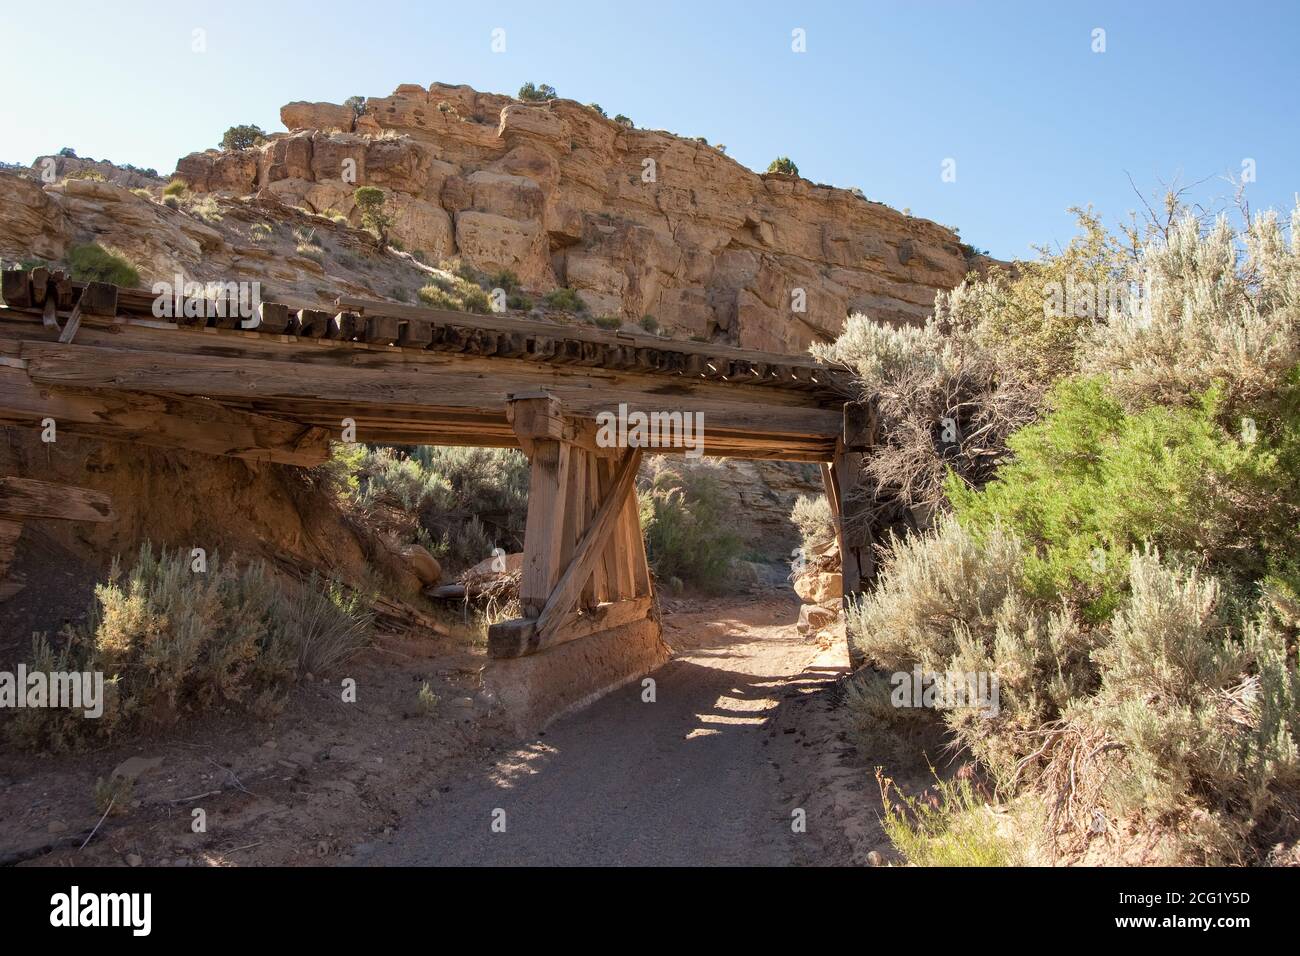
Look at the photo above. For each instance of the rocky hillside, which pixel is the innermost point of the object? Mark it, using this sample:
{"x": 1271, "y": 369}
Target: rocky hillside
{"x": 639, "y": 222}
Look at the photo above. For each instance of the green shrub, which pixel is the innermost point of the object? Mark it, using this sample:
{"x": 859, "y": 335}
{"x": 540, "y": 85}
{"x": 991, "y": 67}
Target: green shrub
{"x": 596, "y": 107}
{"x": 177, "y": 187}
{"x": 649, "y": 324}
{"x": 536, "y": 94}
{"x": 816, "y": 525}
{"x": 687, "y": 522}
{"x": 370, "y": 203}
{"x": 94, "y": 263}
{"x": 207, "y": 209}
{"x": 609, "y": 322}
{"x": 242, "y": 137}
{"x": 323, "y": 623}
{"x": 476, "y": 300}
{"x": 624, "y": 121}
{"x": 503, "y": 279}
{"x": 784, "y": 165}
{"x": 1090, "y": 482}
{"x": 565, "y": 300}
{"x": 435, "y": 297}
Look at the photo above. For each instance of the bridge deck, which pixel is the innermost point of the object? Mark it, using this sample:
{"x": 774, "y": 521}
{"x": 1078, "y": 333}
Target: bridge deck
{"x": 402, "y": 374}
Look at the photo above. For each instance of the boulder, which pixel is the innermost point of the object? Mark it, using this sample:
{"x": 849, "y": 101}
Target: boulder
{"x": 814, "y": 617}
{"x": 818, "y": 587}
{"x": 300, "y": 115}
{"x": 422, "y": 564}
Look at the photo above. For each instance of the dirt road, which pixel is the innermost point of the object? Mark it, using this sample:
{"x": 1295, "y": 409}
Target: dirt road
{"x": 701, "y": 775}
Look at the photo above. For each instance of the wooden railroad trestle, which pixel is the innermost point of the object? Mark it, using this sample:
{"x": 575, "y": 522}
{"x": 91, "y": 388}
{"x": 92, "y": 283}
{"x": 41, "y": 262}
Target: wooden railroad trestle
{"x": 277, "y": 392}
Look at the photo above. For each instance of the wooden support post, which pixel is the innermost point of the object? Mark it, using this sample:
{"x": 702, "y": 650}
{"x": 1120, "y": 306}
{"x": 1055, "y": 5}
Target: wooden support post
{"x": 584, "y": 568}
{"x": 537, "y": 423}
{"x": 850, "y": 501}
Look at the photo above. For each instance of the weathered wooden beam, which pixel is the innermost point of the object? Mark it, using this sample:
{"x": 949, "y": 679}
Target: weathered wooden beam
{"x": 15, "y": 286}
{"x": 544, "y": 525}
{"x": 357, "y": 377}
{"x": 23, "y": 498}
{"x": 859, "y": 425}
{"x": 161, "y": 421}
{"x": 520, "y": 636}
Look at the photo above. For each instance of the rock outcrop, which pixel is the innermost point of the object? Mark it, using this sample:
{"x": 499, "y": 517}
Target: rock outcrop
{"x": 639, "y": 222}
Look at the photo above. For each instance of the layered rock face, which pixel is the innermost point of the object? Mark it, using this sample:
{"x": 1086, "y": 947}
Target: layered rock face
{"x": 639, "y": 222}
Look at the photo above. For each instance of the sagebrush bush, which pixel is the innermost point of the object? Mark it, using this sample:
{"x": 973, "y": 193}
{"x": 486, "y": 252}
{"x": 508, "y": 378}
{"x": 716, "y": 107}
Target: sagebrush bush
{"x": 812, "y": 518}
{"x": 1212, "y": 315}
{"x": 1121, "y": 548}
{"x": 173, "y": 641}
{"x": 467, "y": 500}
{"x": 686, "y": 521}
{"x": 1178, "y": 716}
{"x": 448, "y": 290}
{"x": 956, "y": 829}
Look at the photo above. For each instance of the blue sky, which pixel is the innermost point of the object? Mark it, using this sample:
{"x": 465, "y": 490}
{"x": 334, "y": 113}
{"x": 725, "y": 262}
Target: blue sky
{"x": 1035, "y": 120}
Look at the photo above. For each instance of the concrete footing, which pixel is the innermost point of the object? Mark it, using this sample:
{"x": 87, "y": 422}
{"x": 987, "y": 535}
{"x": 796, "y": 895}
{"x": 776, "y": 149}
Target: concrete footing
{"x": 535, "y": 690}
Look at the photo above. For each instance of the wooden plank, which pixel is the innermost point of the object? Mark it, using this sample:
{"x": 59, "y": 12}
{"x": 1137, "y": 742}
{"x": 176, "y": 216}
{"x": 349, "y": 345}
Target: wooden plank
{"x": 382, "y": 329}
{"x": 520, "y": 637}
{"x": 618, "y": 569}
{"x": 99, "y": 298}
{"x": 641, "y": 579}
{"x": 575, "y": 507}
{"x": 344, "y": 326}
{"x": 502, "y": 323}
{"x": 563, "y": 598}
{"x": 274, "y": 318}
{"x": 857, "y": 563}
{"x": 40, "y": 279}
{"x": 313, "y": 323}
{"x": 596, "y": 590}
{"x": 71, "y": 326}
{"x": 29, "y": 498}
{"x": 15, "y": 286}
{"x": 548, "y": 481}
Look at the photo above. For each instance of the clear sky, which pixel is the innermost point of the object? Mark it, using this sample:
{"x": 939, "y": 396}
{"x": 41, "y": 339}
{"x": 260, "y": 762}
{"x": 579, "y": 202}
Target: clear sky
{"x": 885, "y": 92}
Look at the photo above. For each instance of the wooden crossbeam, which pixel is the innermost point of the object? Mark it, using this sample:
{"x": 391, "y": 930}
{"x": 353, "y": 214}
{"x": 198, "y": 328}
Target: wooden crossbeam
{"x": 520, "y": 636}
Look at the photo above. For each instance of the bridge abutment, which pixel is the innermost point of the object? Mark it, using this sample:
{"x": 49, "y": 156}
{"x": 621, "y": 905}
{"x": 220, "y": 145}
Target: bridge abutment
{"x": 588, "y": 623}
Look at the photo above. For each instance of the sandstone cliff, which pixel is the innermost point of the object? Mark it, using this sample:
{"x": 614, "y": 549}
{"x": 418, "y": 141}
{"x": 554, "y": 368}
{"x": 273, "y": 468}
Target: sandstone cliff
{"x": 640, "y": 222}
